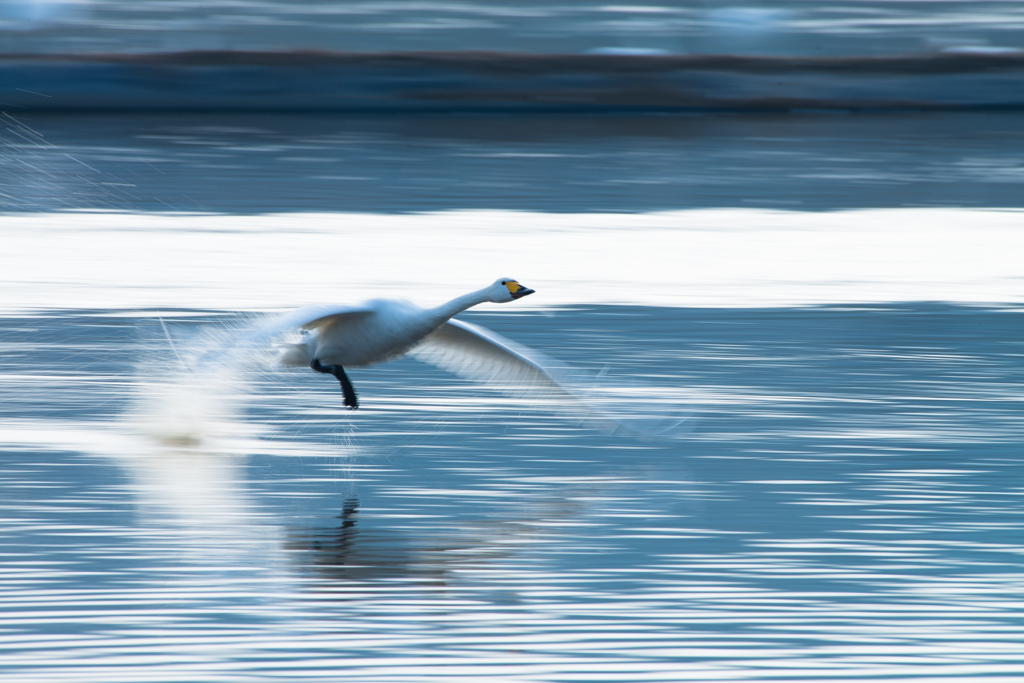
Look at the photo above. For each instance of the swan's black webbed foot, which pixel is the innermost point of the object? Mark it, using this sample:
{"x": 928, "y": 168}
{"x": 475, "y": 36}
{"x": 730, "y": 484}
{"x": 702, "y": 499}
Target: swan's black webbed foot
{"x": 351, "y": 401}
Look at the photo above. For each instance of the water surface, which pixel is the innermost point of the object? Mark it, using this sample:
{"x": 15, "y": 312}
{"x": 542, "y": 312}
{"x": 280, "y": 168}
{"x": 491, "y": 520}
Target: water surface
{"x": 847, "y": 505}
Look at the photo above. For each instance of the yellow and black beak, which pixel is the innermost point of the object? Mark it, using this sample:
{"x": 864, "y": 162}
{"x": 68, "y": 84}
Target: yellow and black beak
{"x": 517, "y": 290}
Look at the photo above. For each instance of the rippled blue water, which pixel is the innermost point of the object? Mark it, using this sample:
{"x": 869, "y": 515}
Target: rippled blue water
{"x": 847, "y": 506}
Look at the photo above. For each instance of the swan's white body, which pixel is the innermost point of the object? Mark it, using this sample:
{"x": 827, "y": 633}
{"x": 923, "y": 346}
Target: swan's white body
{"x": 355, "y": 337}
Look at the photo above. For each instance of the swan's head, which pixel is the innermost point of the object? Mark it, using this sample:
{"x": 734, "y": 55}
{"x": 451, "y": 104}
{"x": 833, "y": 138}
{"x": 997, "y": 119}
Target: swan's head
{"x": 506, "y": 289}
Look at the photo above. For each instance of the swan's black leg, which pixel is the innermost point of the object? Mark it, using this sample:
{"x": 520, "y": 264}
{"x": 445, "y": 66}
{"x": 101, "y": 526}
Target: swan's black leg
{"x": 347, "y": 389}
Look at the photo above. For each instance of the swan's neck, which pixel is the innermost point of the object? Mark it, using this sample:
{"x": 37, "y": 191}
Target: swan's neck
{"x": 459, "y": 304}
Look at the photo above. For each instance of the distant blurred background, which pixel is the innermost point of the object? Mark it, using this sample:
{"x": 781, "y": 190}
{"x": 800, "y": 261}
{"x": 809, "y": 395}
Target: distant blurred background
{"x": 570, "y": 26}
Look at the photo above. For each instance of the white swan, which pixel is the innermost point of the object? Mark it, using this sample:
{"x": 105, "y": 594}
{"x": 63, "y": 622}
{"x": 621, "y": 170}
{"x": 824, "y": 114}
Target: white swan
{"x": 336, "y": 337}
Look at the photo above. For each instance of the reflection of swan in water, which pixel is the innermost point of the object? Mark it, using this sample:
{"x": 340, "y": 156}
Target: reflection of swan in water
{"x": 346, "y": 552}
{"x": 350, "y": 551}
{"x": 555, "y": 514}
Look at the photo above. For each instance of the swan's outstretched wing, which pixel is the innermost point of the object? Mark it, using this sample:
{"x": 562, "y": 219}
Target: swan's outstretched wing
{"x": 478, "y": 354}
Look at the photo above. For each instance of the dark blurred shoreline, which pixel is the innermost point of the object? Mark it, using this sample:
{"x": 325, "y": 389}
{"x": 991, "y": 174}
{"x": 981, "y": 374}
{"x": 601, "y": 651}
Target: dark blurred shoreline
{"x": 310, "y": 81}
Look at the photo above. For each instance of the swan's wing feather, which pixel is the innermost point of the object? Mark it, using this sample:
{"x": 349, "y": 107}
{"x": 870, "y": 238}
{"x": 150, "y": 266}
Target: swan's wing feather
{"x": 479, "y": 354}
{"x": 310, "y": 318}
{"x": 305, "y": 318}
{"x": 476, "y": 353}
